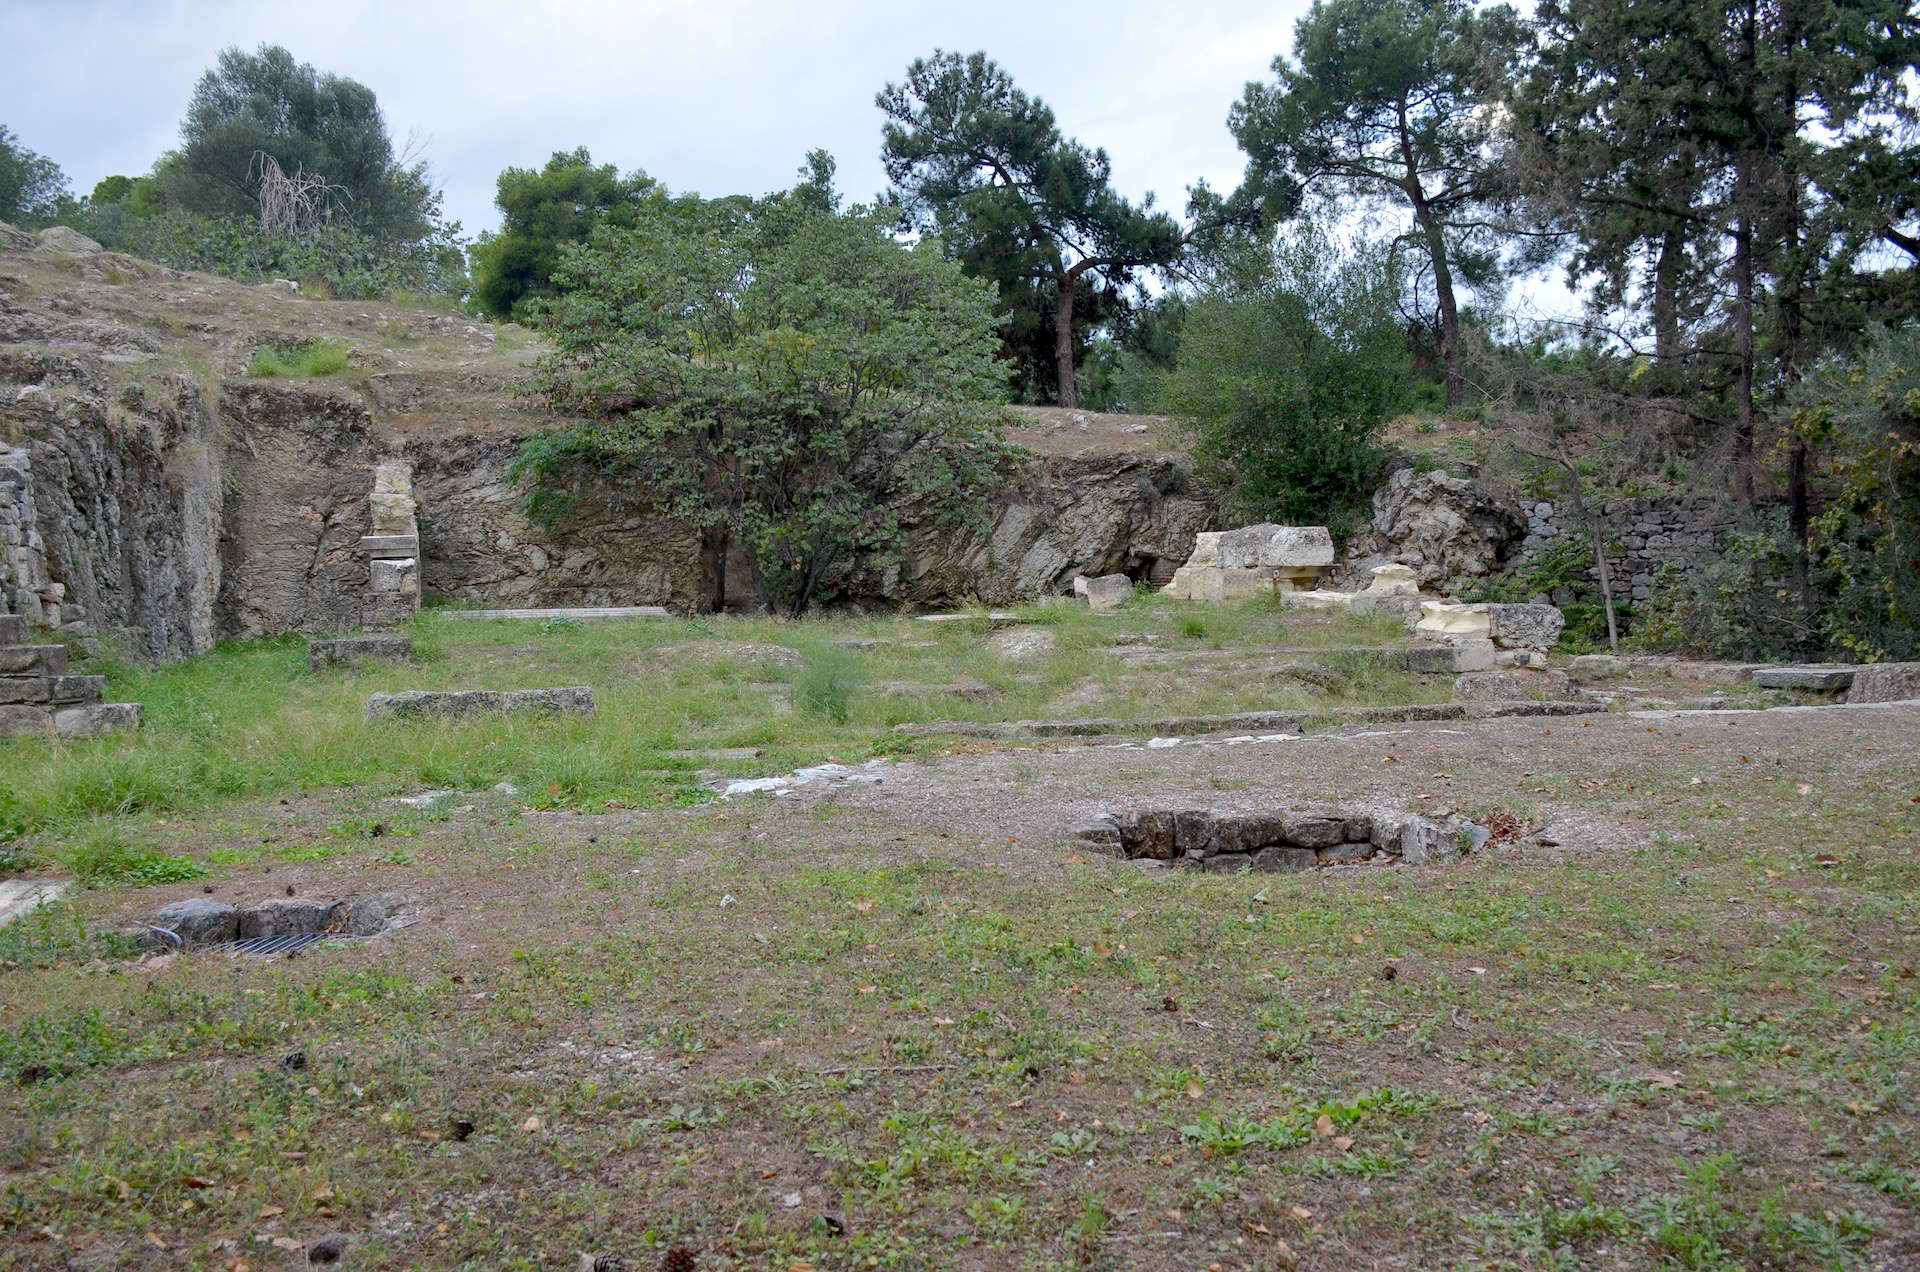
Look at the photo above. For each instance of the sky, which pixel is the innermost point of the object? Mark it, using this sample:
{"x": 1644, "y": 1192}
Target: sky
{"x": 716, "y": 96}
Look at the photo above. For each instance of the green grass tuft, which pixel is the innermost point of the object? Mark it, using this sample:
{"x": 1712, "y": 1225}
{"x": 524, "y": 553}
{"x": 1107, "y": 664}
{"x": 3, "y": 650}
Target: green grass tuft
{"x": 298, "y": 362}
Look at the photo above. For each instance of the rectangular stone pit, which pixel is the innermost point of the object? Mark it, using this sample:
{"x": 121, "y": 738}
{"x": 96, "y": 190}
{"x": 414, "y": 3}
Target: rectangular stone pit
{"x": 1279, "y": 841}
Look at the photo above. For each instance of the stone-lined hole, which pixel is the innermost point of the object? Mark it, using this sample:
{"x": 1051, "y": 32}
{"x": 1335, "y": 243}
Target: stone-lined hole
{"x": 1278, "y": 840}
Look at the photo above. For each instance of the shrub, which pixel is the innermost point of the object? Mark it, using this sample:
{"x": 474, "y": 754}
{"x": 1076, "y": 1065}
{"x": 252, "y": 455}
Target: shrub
{"x": 1290, "y": 365}
{"x": 826, "y": 684}
{"x": 315, "y": 357}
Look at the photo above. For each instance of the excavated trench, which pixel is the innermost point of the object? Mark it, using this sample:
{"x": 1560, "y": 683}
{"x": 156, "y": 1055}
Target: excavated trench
{"x": 1278, "y": 840}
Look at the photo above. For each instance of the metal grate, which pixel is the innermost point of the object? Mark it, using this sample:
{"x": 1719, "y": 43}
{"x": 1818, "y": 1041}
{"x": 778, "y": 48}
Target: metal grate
{"x": 269, "y": 946}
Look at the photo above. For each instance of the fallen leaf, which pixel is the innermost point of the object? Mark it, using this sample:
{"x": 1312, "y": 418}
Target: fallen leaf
{"x": 195, "y": 1181}
{"x": 531, "y": 1125}
{"x": 1195, "y": 1089}
{"x": 268, "y": 1212}
{"x": 865, "y": 907}
{"x": 868, "y": 989}
{"x": 1323, "y": 1126}
{"x": 1825, "y": 859}
{"x": 1301, "y": 1213}
{"x": 1343, "y": 1142}
{"x": 153, "y": 1239}
{"x": 1804, "y": 788}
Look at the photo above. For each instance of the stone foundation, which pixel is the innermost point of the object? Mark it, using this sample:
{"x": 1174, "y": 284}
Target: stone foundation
{"x": 1280, "y": 841}
{"x": 39, "y": 699}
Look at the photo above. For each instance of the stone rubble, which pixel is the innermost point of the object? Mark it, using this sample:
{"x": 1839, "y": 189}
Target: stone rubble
{"x": 1258, "y": 560}
{"x": 1275, "y": 841}
{"x": 417, "y": 703}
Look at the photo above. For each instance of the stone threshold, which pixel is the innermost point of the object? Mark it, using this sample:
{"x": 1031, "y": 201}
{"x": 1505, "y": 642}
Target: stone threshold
{"x": 585, "y": 615}
{"x": 1281, "y": 721}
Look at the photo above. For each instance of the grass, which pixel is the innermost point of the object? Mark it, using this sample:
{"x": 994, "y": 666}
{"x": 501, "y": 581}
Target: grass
{"x": 302, "y": 361}
{"x": 862, "y": 1034}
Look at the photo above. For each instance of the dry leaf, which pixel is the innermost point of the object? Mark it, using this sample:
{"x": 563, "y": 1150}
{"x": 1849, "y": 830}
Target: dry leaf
{"x": 153, "y": 1239}
{"x": 1301, "y": 1213}
{"x": 1323, "y": 1125}
{"x": 865, "y": 907}
{"x": 268, "y": 1212}
{"x": 1194, "y": 1089}
{"x": 1343, "y": 1142}
{"x": 194, "y": 1181}
{"x": 531, "y": 1125}
{"x": 868, "y": 989}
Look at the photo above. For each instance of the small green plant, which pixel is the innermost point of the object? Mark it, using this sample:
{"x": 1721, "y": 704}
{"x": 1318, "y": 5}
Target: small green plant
{"x": 299, "y": 362}
{"x": 826, "y": 684}
{"x": 101, "y": 854}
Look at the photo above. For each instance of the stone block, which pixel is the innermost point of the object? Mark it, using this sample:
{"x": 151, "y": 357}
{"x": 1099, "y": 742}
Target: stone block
{"x": 1264, "y": 545}
{"x": 1193, "y": 833}
{"x": 1218, "y": 585}
{"x": 1101, "y": 834}
{"x": 1311, "y": 831}
{"x": 1020, "y": 644}
{"x": 1231, "y": 863}
{"x": 96, "y": 718}
{"x": 44, "y": 660}
{"x": 573, "y": 700}
{"x": 1148, "y": 834}
{"x": 1285, "y": 860}
{"x": 1816, "y": 679}
{"x": 1473, "y": 655}
{"x": 77, "y": 689}
{"x": 1109, "y": 591}
{"x": 26, "y": 689}
{"x": 1404, "y": 608}
{"x": 367, "y": 916}
{"x": 25, "y": 722}
{"x": 13, "y": 629}
{"x": 197, "y": 921}
{"x": 1525, "y": 626}
{"x": 1885, "y": 682}
{"x": 1531, "y": 659}
{"x": 1423, "y": 840}
{"x": 1249, "y": 832}
{"x": 392, "y": 514}
{"x": 1446, "y": 619}
{"x": 1431, "y": 660}
{"x": 326, "y": 653}
{"x": 399, "y": 576}
{"x": 1345, "y": 852}
{"x": 390, "y": 545}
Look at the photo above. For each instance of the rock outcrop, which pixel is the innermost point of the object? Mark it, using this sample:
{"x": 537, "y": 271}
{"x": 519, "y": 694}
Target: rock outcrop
{"x": 1447, "y": 528}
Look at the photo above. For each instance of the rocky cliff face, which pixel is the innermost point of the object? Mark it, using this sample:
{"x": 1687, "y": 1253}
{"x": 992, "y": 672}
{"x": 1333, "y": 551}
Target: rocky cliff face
{"x": 152, "y": 490}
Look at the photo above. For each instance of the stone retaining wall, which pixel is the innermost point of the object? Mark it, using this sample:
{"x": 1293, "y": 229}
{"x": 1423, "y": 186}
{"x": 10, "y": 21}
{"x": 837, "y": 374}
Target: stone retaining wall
{"x": 1642, "y": 535}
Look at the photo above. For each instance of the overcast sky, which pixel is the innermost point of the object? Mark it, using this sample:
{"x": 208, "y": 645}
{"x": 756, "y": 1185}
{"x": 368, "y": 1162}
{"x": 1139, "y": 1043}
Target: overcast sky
{"x": 716, "y": 96}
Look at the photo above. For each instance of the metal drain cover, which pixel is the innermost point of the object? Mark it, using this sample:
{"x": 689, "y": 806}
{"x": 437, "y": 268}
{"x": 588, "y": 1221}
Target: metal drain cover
{"x": 269, "y": 946}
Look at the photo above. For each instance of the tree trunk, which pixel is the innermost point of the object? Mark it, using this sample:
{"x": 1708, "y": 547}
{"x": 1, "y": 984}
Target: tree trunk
{"x": 1743, "y": 344}
{"x": 1443, "y": 290}
{"x": 719, "y": 544}
{"x": 1063, "y": 342}
{"x": 1666, "y": 288}
{"x": 1597, "y": 539}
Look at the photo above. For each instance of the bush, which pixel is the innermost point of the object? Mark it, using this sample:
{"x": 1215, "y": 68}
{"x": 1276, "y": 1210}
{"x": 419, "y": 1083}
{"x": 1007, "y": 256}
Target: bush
{"x": 826, "y": 684}
{"x": 338, "y": 259}
{"x": 1290, "y": 365}
{"x": 315, "y": 357}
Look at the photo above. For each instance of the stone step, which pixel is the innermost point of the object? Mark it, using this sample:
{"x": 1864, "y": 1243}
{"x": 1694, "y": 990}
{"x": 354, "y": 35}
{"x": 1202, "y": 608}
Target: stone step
{"x": 1818, "y": 679}
{"x": 44, "y": 660}
{"x": 93, "y": 719}
{"x": 586, "y": 615}
{"x": 13, "y": 630}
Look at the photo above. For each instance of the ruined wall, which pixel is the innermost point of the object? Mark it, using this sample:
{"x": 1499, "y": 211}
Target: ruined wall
{"x": 1642, "y": 536}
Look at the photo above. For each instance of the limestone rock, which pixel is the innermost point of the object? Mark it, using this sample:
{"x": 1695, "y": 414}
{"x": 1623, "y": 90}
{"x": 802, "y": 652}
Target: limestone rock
{"x": 1444, "y": 527}
{"x": 1450, "y": 620}
{"x": 95, "y": 718}
{"x": 1885, "y": 682}
{"x": 1109, "y": 591}
{"x": 415, "y": 703}
{"x": 1423, "y": 840}
{"x": 1526, "y": 626}
{"x": 1285, "y": 860}
{"x": 60, "y": 238}
{"x": 1264, "y": 546}
{"x": 1020, "y": 644}
{"x": 1219, "y": 585}
{"x": 1394, "y": 579}
{"x": 705, "y": 653}
{"x": 1310, "y": 831}
{"x": 196, "y": 921}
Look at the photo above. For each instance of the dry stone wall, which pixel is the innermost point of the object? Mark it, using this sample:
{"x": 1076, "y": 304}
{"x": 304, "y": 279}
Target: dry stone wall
{"x": 1642, "y": 536}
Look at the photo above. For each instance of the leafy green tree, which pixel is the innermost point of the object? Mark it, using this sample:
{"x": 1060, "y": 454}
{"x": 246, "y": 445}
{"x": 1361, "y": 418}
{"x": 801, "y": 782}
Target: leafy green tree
{"x": 1290, "y": 363}
{"x": 782, "y": 378}
{"x": 308, "y": 121}
{"x": 983, "y": 166}
{"x": 32, "y": 187}
{"x": 1394, "y": 102}
{"x": 544, "y": 210}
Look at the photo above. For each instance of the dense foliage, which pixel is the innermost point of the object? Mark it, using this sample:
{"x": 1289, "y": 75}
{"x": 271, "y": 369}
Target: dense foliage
{"x": 32, "y": 187}
{"x": 783, "y": 378}
{"x": 1291, "y": 362}
{"x": 542, "y": 212}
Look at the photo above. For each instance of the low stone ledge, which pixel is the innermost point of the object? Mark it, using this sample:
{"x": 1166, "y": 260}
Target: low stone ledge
{"x": 417, "y": 703}
{"x": 1275, "y": 841}
{"x": 37, "y": 660}
{"x": 1814, "y": 679}
{"x": 1241, "y": 721}
{"x": 322, "y": 654}
{"x": 69, "y": 690}
{"x": 390, "y": 546}
{"x": 589, "y": 614}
